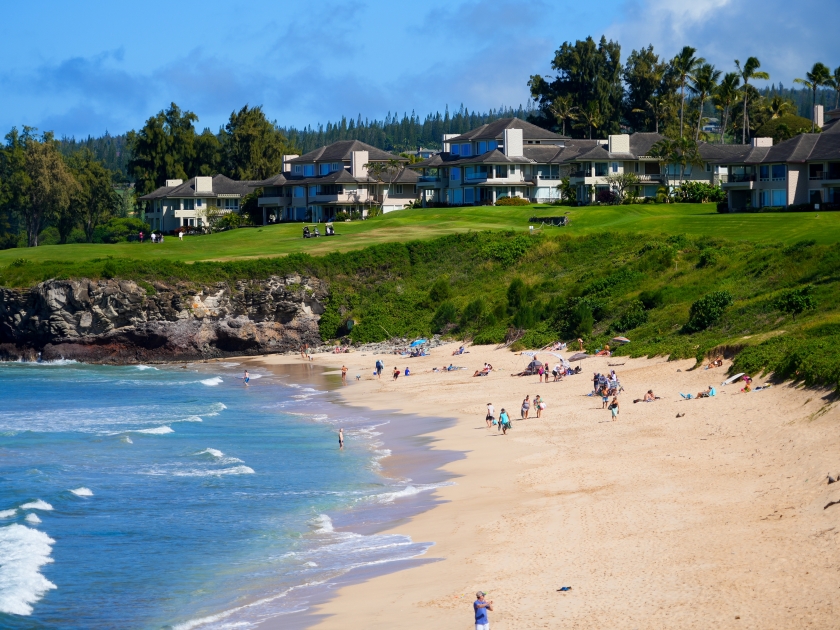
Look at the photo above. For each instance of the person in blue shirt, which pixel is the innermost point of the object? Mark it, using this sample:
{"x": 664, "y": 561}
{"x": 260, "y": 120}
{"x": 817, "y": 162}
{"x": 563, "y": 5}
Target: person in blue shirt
{"x": 481, "y": 606}
{"x": 407, "y": 372}
{"x": 504, "y": 422}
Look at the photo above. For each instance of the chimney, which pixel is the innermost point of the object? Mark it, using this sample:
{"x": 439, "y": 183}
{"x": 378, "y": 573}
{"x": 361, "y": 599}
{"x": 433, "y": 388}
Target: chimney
{"x": 204, "y": 184}
{"x": 287, "y": 168}
{"x": 619, "y": 143}
{"x": 447, "y": 136}
{"x": 762, "y": 142}
{"x": 513, "y": 142}
{"x": 174, "y": 182}
{"x": 818, "y": 116}
{"x": 358, "y": 160}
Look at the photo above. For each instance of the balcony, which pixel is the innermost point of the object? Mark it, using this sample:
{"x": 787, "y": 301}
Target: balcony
{"x": 739, "y": 179}
{"x": 825, "y": 175}
{"x": 272, "y": 201}
{"x": 476, "y": 177}
{"x": 579, "y": 174}
{"x": 650, "y": 177}
{"x": 430, "y": 179}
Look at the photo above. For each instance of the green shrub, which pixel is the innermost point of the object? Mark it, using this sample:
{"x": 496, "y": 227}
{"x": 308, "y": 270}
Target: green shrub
{"x": 652, "y": 299}
{"x": 118, "y": 230}
{"x": 49, "y": 236}
{"x": 796, "y": 301}
{"x": 783, "y": 128}
{"x": 707, "y": 311}
{"x": 444, "y": 315}
{"x": 440, "y": 290}
{"x": 708, "y": 258}
{"x": 699, "y": 192}
{"x": 581, "y": 320}
{"x": 633, "y": 317}
{"x": 512, "y": 201}
{"x": 490, "y": 335}
{"x": 474, "y": 314}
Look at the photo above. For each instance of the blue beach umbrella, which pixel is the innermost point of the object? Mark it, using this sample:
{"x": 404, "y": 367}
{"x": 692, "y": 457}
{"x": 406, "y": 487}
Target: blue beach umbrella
{"x": 419, "y": 342}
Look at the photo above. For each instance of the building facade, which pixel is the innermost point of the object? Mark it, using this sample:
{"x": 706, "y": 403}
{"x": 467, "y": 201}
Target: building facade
{"x": 346, "y": 176}
{"x": 189, "y": 204}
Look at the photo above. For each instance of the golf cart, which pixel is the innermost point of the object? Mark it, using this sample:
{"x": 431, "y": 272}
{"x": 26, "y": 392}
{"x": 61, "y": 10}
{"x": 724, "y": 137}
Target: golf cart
{"x": 329, "y": 230}
{"x": 311, "y": 231}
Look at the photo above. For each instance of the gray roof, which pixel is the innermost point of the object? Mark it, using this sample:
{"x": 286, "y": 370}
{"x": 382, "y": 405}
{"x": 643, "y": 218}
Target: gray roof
{"x": 343, "y": 150}
{"x": 341, "y": 176}
{"x": 805, "y": 147}
{"x": 496, "y": 129}
{"x": 222, "y": 186}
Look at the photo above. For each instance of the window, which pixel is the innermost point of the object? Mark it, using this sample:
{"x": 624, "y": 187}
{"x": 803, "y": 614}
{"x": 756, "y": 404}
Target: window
{"x": 778, "y": 172}
{"x": 199, "y": 203}
{"x": 708, "y": 167}
{"x": 501, "y": 171}
{"x": 298, "y": 169}
{"x": 455, "y": 172}
{"x": 469, "y": 195}
{"x": 764, "y": 172}
{"x": 512, "y": 170}
{"x": 456, "y": 149}
{"x": 779, "y": 198}
{"x": 189, "y": 204}
{"x": 600, "y": 169}
{"x": 492, "y": 145}
{"x": 457, "y": 196}
{"x": 614, "y": 167}
{"x": 298, "y": 191}
{"x": 313, "y": 190}
{"x": 323, "y": 169}
{"x": 466, "y": 149}
{"x": 398, "y": 189}
{"x": 308, "y": 170}
{"x": 336, "y": 166}
{"x": 175, "y": 204}
{"x": 482, "y": 147}
{"x": 351, "y": 187}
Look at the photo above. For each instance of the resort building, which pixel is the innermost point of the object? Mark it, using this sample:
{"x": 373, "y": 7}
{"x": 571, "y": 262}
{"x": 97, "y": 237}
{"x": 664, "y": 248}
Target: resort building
{"x": 514, "y": 158}
{"x": 803, "y": 169}
{"x": 348, "y": 176}
{"x": 188, "y": 204}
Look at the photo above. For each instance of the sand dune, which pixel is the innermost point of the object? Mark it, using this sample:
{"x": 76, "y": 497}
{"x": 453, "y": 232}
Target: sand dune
{"x": 714, "y": 519}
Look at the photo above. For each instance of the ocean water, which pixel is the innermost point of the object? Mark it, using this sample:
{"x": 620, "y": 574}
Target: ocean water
{"x": 162, "y": 497}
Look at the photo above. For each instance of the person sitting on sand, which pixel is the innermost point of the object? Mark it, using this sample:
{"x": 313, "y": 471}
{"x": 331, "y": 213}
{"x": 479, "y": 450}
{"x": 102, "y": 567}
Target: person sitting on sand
{"x": 605, "y": 352}
{"x": 708, "y": 393}
{"x": 407, "y": 371}
{"x": 614, "y": 407}
{"x": 458, "y": 351}
{"x": 649, "y": 397}
{"x": 484, "y": 371}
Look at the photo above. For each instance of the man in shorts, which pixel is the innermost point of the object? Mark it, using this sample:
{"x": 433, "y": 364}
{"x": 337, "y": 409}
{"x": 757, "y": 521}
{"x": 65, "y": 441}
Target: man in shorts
{"x": 481, "y": 606}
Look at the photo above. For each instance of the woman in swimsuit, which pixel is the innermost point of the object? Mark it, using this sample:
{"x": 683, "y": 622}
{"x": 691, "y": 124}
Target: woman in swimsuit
{"x": 526, "y": 405}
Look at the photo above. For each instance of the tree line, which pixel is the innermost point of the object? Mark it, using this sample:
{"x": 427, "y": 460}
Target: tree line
{"x": 595, "y": 93}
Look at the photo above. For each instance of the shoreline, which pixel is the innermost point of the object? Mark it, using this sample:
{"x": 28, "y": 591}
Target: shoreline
{"x": 713, "y": 518}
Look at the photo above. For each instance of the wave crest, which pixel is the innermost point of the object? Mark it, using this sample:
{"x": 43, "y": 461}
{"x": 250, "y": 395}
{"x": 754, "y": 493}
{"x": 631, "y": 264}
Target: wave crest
{"x": 24, "y": 552}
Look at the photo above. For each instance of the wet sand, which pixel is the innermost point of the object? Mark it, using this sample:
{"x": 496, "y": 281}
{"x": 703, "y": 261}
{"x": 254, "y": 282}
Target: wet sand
{"x": 713, "y": 519}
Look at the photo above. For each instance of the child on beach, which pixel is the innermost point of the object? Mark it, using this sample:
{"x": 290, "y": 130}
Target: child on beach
{"x": 539, "y": 405}
{"x": 396, "y": 373}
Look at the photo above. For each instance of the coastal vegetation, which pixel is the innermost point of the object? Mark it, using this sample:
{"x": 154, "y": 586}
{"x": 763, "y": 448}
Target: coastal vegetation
{"x": 691, "y": 283}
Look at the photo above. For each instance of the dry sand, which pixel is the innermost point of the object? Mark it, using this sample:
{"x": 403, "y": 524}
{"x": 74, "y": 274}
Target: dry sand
{"x": 711, "y": 520}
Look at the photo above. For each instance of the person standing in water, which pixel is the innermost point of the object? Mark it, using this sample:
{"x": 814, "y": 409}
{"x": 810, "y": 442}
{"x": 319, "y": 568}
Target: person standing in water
{"x": 246, "y": 378}
{"x": 344, "y": 374}
{"x": 341, "y": 439}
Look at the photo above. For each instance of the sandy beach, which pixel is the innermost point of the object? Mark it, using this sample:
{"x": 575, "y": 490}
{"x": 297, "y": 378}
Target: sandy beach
{"x": 716, "y": 519}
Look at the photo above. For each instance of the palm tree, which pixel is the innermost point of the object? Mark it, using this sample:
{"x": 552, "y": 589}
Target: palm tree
{"x": 684, "y": 65}
{"x": 835, "y": 83}
{"x": 749, "y": 71}
{"x": 563, "y": 110}
{"x": 779, "y": 107}
{"x": 704, "y": 84}
{"x": 819, "y": 76}
{"x": 658, "y": 106}
{"x": 726, "y": 96}
{"x": 591, "y": 117}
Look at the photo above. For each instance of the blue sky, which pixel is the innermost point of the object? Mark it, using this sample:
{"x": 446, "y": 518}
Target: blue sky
{"x": 83, "y": 67}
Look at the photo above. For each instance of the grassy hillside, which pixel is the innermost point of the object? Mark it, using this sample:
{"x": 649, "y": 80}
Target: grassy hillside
{"x": 277, "y": 240}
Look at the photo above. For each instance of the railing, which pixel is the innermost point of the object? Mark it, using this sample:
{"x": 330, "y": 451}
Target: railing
{"x": 823, "y": 175}
{"x": 650, "y": 177}
{"x": 579, "y": 174}
{"x": 429, "y": 178}
{"x": 737, "y": 178}
{"x": 472, "y": 177}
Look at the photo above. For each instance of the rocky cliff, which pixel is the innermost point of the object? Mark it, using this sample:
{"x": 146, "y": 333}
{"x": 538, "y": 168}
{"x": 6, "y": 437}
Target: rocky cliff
{"x": 120, "y": 321}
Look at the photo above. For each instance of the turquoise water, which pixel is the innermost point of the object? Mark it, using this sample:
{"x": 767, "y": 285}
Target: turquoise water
{"x": 141, "y": 497}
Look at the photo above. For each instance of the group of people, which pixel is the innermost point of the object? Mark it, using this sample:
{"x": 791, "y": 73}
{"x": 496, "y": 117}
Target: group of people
{"x": 503, "y": 423}
{"x": 607, "y": 386}
{"x": 154, "y": 238}
{"x": 484, "y": 371}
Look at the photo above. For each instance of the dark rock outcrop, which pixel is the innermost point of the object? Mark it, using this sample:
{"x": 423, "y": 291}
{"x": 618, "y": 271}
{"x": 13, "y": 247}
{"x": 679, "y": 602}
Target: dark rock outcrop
{"x": 119, "y": 321}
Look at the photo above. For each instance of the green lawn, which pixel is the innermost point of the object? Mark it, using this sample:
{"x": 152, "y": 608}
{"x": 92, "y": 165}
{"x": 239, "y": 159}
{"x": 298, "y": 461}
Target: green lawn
{"x": 692, "y": 219}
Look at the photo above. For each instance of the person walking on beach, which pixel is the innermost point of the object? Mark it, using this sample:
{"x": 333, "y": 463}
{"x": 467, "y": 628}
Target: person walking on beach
{"x": 396, "y": 373}
{"x": 614, "y": 407}
{"x": 344, "y": 374}
{"x": 526, "y": 406}
{"x": 538, "y": 405}
{"x": 340, "y": 439}
{"x": 504, "y": 422}
{"x": 379, "y": 367}
{"x": 481, "y": 606}
{"x": 491, "y": 415}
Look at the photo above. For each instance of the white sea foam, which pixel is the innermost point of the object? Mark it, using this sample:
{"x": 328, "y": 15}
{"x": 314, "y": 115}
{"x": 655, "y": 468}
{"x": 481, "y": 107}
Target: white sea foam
{"x": 220, "y": 458}
{"x": 146, "y": 367}
{"x": 24, "y": 551}
{"x": 190, "y": 419}
{"x": 7, "y": 513}
{"x": 37, "y": 504}
{"x": 235, "y": 470}
{"x": 126, "y": 439}
{"x": 310, "y": 564}
{"x": 32, "y": 518}
{"x": 82, "y": 492}
{"x": 211, "y": 451}
{"x": 155, "y": 430}
{"x": 323, "y": 524}
{"x": 212, "y": 382}
{"x": 409, "y": 491}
